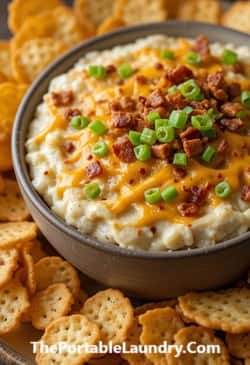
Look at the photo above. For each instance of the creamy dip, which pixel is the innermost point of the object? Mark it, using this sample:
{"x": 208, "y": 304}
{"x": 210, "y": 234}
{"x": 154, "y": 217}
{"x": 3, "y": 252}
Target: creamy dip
{"x": 166, "y": 114}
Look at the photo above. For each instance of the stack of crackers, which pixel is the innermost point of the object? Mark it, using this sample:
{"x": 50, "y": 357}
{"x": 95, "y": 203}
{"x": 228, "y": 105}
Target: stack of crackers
{"x": 46, "y": 290}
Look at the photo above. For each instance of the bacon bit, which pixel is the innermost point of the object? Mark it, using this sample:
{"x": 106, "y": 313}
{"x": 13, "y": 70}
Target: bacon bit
{"x": 245, "y": 193}
{"x": 200, "y": 107}
{"x": 122, "y": 120}
{"x": 69, "y": 147}
{"x": 70, "y": 113}
{"x": 190, "y": 133}
{"x": 193, "y": 147}
{"x": 115, "y": 106}
{"x": 218, "y": 86}
{"x": 179, "y": 172}
{"x": 124, "y": 150}
{"x": 230, "y": 109}
{"x": 139, "y": 232}
{"x": 90, "y": 157}
{"x": 63, "y": 98}
{"x": 128, "y": 104}
{"x": 46, "y": 173}
{"x": 156, "y": 98}
{"x": 201, "y": 45}
{"x": 223, "y": 146}
{"x": 162, "y": 151}
{"x": 141, "y": 79}
{"x": 158, "y": 66}
{"x": 232, "y": 124}
{"x": 94, "y": 169}
{"x": 197, "y": 195}
{"x": 188, "y": 209}
{"x": 131, "y": 181}
{"x": 179, "y": 74}
{"x": 110, "y": 69}
{"x": 234, "y": 89}
{"x": 142, "y": 171}
{"x": 153, "y": 230}
{"x": 220, "y": 176}
{"x": 176, "y": 101}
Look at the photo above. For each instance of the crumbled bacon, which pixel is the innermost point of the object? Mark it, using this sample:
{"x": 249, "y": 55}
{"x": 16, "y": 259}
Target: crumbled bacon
{"x": 162, "y": 151}
{"x": 158, "y": 66}
{"x": 190, "y": 133}
{"x": 179, "y": 172}
{"x": 122, "y": 120}
{"x": 233, "y": 124}
{"x": 176, "y": 101}
{"x": 179, "y": 74}
{"x": 188, "y": 209}
{"x": 141, "y": 79}
{"x": 201, "y": 46}
{"x": 156, "y": 99}
{"x": 201, "y": 107}
{"x": 198, "y": 195}
{"x": 110, "y": 69}
{"x": 94, "y": 169}
{"x": 62, "y": 98}
{"x": 69, "y": 147}
{"x": 223, "y": 146}
{"x": 234, "y": 89}
{"x": 70, "y": 113}
{"x": 128, "y": 104}
{"x": 230, "y": 109}
{"x": 245, "y": 193}
{"x": 193, "y": 147}
{"x": 124, "y": 149}
{"x": 218, "y": 86}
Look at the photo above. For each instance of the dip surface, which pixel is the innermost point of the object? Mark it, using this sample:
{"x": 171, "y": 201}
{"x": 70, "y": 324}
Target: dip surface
{"x": 147, "y": 145}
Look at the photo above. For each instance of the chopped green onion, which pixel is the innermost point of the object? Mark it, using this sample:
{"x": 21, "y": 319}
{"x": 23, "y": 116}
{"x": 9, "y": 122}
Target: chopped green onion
{"x": 169, "y": 193}
{"x": 223, "y": 190}
{"x": 242, "y": 114}
{"x": 245, "y": 98}
{"x": 167, "y": 54}
{"x": 98, "y": 127}
{"x": 98, "y": 72}
{"x": 193, "y": 58}
{"x": 172, "y": 90}
{"x": 188, "y": 109}
{"x": 125, "y": 71}
{"x": 134, "y": 137}
{"x": 151, "y": 117}
{"x": 214, "y": 114}
{"x": 161, "y": 123}
{"x": 229, "y": 57}
{"x": 178, "y": 119}
{"x": 92, "y": 190}
{"x": 202, "y": 122}
{"x": 152, "y": 196}
{"x": 208, "y": 154}
{"x": 79, "y": 122}
{"x": 210, "y": 133}
{"x": 100, "y": 149}
{"x": 165, "y": 134}
{"x": 142, "y": 152}
{"x": 180, "y": 159}
{"x": 191, "y": 90}
{"x": 148, "y": 136}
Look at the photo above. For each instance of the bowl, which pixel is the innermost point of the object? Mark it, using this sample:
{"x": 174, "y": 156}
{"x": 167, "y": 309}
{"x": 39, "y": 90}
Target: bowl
{"x": 142, "y": 274}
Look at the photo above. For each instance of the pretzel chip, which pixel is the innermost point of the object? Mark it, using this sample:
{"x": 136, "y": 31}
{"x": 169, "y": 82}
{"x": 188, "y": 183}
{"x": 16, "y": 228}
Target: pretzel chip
{"x": 226, "y": 310}
{"x": 12, "y": 234}
{"x": 113, "y": 312}
{"x": 13, "y": 303}
{"x": 52, "y": 270}
{"x": 74, "y": 330}
{"x": 8, "y": 264}
{"x": 198, "y": 336}
{"x": 159, "y": 325}
{"x": 50, "y": 304}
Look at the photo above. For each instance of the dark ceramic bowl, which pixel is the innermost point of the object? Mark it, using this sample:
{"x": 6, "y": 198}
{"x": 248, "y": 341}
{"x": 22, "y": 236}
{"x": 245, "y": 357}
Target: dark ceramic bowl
{"x": 142, "y": 274}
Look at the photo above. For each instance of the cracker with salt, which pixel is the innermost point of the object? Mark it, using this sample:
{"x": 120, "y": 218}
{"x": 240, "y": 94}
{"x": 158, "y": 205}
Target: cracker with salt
{"x": 34, "y": 56}
{"x": 8, "y": 264}
{"x": 133, "y": 339}
{"x": 13, "y": 303}
{"x": 110, "y": 24}
{"x": 52, "y": 270}
{"x": 198, "y": 10}
{"x": 226, "y": 310}
{"x": 112, "y": 312}
{"x": 12, "y": 206}
{"x": 237, "y": 16}
{"x": 198, "y": 336}
{"x": 141, "y": 11}
{"x": 5, "y": 69}
{"x": 29, "y": 268}
{"x": 20, "y": 10}
{"x": 141, "y": 309}
{"x": 12, "y": 233}
{"x": 50, "y": 304}
{"x": 74, "y": 330}
{"x": 239, "y": 345}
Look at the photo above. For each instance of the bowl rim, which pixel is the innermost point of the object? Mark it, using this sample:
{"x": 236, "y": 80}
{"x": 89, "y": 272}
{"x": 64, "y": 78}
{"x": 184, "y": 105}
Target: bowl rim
{"x": 21, "y": 170}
